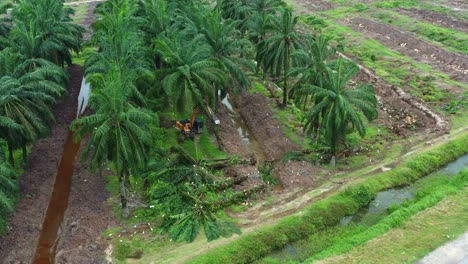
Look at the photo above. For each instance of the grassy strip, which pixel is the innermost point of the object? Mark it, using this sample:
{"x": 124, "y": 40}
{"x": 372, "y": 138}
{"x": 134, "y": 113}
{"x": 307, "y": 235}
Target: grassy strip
{"x": 415, "y": 238}
{"x": 387, "y": 64}
{"x": 329, "y": 211}
{"x": 453, "y": 40}
{"x": 337, "y": 239}
{"x": 395, "y": 219}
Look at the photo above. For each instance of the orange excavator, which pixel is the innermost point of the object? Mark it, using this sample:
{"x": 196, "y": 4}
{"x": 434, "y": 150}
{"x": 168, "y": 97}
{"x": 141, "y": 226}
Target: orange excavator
{"x": 192, "y": 126}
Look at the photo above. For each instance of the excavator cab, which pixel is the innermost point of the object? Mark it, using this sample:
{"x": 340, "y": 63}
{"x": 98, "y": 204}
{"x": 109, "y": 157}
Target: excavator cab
{"x": 192, "y": 126}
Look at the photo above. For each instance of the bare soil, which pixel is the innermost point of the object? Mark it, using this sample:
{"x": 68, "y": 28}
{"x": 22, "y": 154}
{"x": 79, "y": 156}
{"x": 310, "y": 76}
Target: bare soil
{"x": 87, "y": 198}
{"x": 254, "y": 109}
{"x": 88, "y": 215}
{"x": 36, "y": 183}
{"x": 437, "y": 18}
{"x": 317, "y": 5}
{"x": 407, "y": 43}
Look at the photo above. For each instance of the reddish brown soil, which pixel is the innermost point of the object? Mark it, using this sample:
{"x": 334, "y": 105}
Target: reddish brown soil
{"x": 36, "y": 183}
{"x": 395, "y": 114}
{"x": 296, "y": 173}
{"x": 234, "y": 145}
{"x": 316, "y": 6}
{"x": 453, "y": 64}
{"x": 231, "y": 138}
{"x": 437, "y": 18}
{"x": 88, "y": 215}
{"x": 258, "y": 117}
{"x": 87, "y": 198}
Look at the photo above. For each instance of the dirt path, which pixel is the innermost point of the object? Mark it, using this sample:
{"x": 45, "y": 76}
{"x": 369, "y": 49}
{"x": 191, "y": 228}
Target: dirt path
{"x": 437, "y": 18}
{"x": 408, "y": 44}
{"x": 87, "y": 216}
{"x": 36, "y": 183}
{"x": 258, "y": 117}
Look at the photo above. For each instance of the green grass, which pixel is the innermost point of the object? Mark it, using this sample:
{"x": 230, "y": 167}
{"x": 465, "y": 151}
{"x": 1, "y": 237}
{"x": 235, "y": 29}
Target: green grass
{"x": 81, "y": 11}
{"x": 80, "y": 58}
{"x": 339, "y": 239}
{"x": 390, "y": 65}
{"x": 325, "y": 213}
{"x": 416, "y": 237}
{"x": 427, "y": 197}
{"x": 450, "y": 39}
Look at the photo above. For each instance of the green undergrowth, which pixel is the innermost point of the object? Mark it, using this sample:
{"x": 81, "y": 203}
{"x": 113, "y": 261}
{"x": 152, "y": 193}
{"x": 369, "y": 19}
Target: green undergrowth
{"x": 341, "y": 239}
{"x": 9, "y": 194}
{"x": 80, "y": 58}
{"x": 419, "y": 235}
{"x": 81, "y": 11}
{"x": 452, "y": 40}
{"x": 328, "y": 212}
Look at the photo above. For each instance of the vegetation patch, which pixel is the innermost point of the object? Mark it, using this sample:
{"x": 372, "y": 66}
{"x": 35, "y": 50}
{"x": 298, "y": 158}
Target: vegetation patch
{"x": 328, "y": 212}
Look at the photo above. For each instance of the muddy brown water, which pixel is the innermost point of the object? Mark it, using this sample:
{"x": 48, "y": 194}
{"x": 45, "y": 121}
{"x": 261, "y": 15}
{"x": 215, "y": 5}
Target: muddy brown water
{"x": 45, "y": 251}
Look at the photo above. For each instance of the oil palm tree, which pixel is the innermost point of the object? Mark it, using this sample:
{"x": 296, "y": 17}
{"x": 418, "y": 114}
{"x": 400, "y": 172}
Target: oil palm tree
{"x": 312, "y": 62}
{"x": 8, "y": 191}
{"x": 192, "y": 76}
{"x": 120, "y": 131}
{"x": 235, "y": 10}
{"x": 227, "y": 46}
{"x": 120, "y": 44}
{"x": 275, "y": 51}
{"x": 26, "y": 96}
{"x": 4, "y": 21}
{"x": 340, "y": 106}
{"x": 43, "y": 29}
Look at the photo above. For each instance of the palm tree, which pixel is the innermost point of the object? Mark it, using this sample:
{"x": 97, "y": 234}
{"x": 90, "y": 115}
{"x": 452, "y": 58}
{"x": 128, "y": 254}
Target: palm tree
{"x": 192, "y": 75}
{"x": 276, "y": 49}
{"x": 157, "y": 14}
{"x": 184, "y": 190}
{"x": 120, "y": 44}
{"x": 340, "y": 107}
{"x": 8, "y": 191}
{"x": 227, "y": 46}
{"x": 235, "y": 10}
{"x": 25, "y": 98}
{"x": 120, "y": 131}
{"x": 312, "y": 61}
{"x": 43, "y": 29}
{"x": 4, "y": 21}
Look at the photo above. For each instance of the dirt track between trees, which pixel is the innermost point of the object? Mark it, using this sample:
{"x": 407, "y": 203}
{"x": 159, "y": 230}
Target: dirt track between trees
{"x": 87, "y": 208}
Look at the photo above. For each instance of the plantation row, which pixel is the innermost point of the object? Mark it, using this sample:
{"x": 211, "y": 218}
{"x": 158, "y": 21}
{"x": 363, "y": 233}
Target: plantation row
{"x": 36, "y": 43}
{"x": 158, "y": 57}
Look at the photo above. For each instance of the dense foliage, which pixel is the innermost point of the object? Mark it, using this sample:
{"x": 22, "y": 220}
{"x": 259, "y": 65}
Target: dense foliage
{"x": 159, "y": 56}
{"x": 163, "y": 56}
{"x": 35, "y": 43}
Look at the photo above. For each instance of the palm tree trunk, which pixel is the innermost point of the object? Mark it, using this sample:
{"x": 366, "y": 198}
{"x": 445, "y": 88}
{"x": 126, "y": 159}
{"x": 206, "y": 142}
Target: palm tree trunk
{"x": 123, "y": 194}
{"x": 10, "y": 154}
{"x": 286, "y": 69}
{"x": 25, "y": 154}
